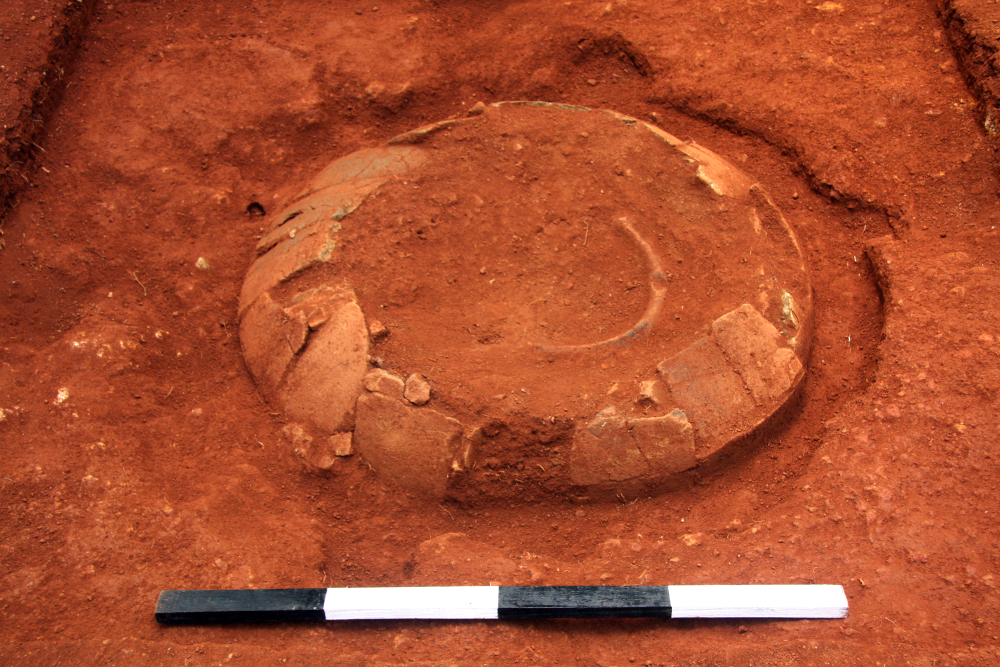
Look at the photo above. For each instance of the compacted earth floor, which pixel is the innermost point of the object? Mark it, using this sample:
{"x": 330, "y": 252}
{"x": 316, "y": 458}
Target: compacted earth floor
{"x": 143, "y": 142}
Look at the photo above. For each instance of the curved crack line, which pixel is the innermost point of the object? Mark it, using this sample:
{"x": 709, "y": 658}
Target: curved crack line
{"x": 657, "y": 294}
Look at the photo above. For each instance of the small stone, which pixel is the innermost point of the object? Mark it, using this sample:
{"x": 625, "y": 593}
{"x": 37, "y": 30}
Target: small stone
{"x": 417, "y": 390}
{"x": 202, "y": 264}
{"x": 319, "y": 453}
{"x": 297, "y": 435}
{"x": 391, "y": 98}
{"x": 692, "y": 539}
{"x": 384, "y": 382}
{"x": 315, "y": 306}
{"x": 377, "y": 331}
{"x": 342, "y": 444}
{"x": 321, "y": 461}
{"x": 592, "y": 82}
{"x": 651, "y": 393}
{"x": 477, "y": 109}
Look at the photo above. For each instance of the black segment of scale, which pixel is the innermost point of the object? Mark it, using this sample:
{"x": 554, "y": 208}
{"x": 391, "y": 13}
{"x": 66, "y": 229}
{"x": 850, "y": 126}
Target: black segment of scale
{"x": 583, "y": 602}
{"x": 241, "y": 606}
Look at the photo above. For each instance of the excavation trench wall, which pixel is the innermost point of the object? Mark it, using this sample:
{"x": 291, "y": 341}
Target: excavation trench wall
{"x": 972, "y": 27}
{"x": 38, "y": 46}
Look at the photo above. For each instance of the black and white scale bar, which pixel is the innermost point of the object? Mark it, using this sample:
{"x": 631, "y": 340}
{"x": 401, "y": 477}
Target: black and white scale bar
{"x": 501, "y": 602}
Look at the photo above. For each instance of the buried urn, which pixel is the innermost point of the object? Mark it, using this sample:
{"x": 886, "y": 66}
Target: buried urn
{"x": 533, "y": 299}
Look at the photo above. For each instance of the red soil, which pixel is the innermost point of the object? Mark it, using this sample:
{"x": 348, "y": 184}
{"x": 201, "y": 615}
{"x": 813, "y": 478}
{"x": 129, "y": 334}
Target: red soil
{"x": 162, "y": 469}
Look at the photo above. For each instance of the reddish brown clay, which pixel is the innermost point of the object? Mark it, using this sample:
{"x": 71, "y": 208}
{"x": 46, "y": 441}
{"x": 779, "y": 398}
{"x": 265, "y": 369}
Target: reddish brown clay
{"x": 139, "y": 453}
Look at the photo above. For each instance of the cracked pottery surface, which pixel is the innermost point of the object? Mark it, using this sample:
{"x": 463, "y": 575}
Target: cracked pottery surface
{"x": 708, "y": 339}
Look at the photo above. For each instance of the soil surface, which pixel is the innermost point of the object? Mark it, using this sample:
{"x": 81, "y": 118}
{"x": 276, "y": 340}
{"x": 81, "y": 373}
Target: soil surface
{"x": 506, "y": 297}
{"x": 137, "y": 455}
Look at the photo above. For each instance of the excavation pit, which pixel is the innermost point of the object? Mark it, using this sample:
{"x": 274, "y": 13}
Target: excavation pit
{"x": 534, "y": 298}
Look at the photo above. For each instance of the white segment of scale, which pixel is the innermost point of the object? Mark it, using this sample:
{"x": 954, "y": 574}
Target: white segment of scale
{"x": 442, "y": 602}
{"x": 758, "y": 601}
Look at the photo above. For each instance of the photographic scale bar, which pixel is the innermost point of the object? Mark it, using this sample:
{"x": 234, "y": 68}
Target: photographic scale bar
{"x": 501, "y": 602}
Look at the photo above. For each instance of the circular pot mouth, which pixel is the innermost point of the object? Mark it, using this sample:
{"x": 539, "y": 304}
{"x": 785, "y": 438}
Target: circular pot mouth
{"x": 533, "y": 299}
